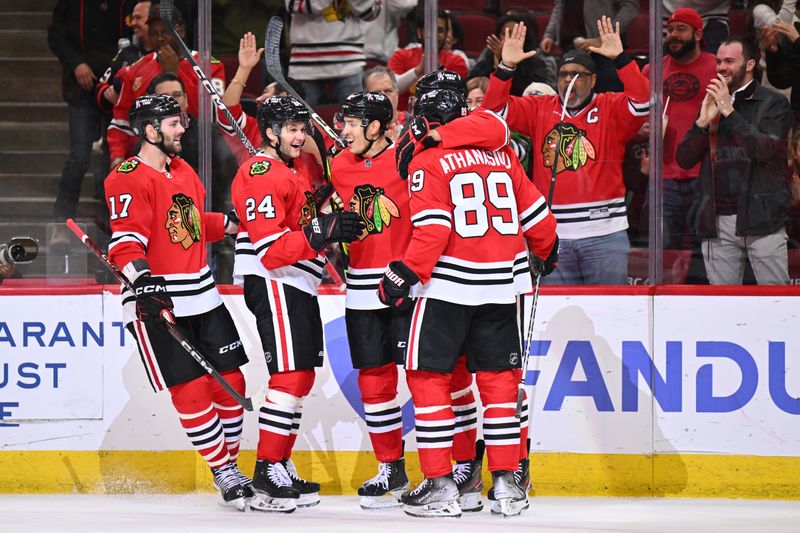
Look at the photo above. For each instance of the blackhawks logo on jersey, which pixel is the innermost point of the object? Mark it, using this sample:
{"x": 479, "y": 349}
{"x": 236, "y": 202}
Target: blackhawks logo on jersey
{"x": 572, "y": 152}
{"x": 128, "y": 166}
{"x": 259, "y": 167}
{"x": 308, "y": 210}
{"x": 376, "y": 209}
{"x": 183, "y": 221}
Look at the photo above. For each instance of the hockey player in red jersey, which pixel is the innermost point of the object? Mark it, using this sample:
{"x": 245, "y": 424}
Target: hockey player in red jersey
{"x": 586, "y": 154}
{"x": 137, "y": 77}
{"x": 279, "y": 262}
{"x": 473, "y": 212}
{"x": 159, "y": 232}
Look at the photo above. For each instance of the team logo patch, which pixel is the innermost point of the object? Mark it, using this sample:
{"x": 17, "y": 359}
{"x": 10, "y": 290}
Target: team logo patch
{"x": 137, "y": 83}
{"x": 308, "y": 211}
{"x": 183, "y": 221}
{"x": 573, "y": 151}
{"x": 681, "y": 87}
{"x": 376, "y": 209}
{"x": 259, "y": 168}
{"x": 128, "y": 166}
{"x": 513, "y": 358}
{"x": 268, "y": 357}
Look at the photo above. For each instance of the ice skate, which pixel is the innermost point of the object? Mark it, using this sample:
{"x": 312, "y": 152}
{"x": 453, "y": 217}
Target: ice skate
{"x": 272, "y": 489}
{"x": 231, "y": 492}
{"x": 522, "y": 477}
{"x": 509, "y": 496}
{"x": 244, "y": 481}
{"x": 467, "y": 475}
{"x": 433, "y": 498}
{"x": 309, "y": 490}
{"x": 384, "y": 490}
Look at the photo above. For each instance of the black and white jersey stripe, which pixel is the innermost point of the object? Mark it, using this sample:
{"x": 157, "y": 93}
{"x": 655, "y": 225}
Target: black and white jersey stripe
{"x": 192, "y": 294}
{"x": 471, "y": 283}
{"x": 638, "y": 109}
{"x": 533, "y": 214}
{"x": 305, "y": 275}
{"x": 591, "y": 219}
{"x": 362, "y": 288}
{"x": 119, "y": 237}
{"x": 433, "y": 216}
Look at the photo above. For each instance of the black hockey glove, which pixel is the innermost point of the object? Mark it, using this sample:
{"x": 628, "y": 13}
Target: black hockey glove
{"x": 151, "y": 297}
{"x": 322, "y": 194}
{"x": 342, "y": 226}
{"x": 413, "y": 141}
{"x": 543, "y": 268}
{"x": 231, "y": 222}
{"x": 395, "y": 286}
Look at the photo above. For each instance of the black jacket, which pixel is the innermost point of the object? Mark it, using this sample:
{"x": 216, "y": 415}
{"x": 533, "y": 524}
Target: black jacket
{"x": 783, "y": 69}
{"x": 86, "y": 31}
{"x": 751, "y": 162}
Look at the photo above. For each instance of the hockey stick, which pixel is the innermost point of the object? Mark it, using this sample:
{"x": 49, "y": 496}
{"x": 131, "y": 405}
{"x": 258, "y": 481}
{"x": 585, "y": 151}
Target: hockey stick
{"x": 166, "y": 316}
{"x": 166, "y": 13}
{"x": 532, "y": 317}
{"x": 272, "y": 47}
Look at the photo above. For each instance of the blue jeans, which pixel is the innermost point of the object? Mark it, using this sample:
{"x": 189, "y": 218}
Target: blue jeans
{"x": 84, "y": 128}
{"x": 342, "y": 88}
{"x": 592, "y": 261}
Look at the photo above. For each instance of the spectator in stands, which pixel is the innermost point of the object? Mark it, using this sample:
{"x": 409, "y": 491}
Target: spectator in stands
{"x": 328, "y": 46}
{"x": 381, "y": 79}
{"x": 167, "y": 57}
{"x": 741, "y": 140}
{"x": 83, "y": 36}
{"x": 574, "y": 24}
{"x": 529, "y": 71}
{"x": 380, "y": 35}
{"x": 584, "y": 154}
{"x": 686, "y": 70}
{"x": 234, "y": 18}
{"x": 454, "y": 42}
{"x": 782, "y": 44}
{"x": 409, "y": 63}
{"x": 714, "y": 14}
{"x": 476, "y": 88}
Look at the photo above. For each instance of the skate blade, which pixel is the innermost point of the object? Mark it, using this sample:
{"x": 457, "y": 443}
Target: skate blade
{"x": 266, "y": 504}
{"x": 495, "y": 508}
{"x": 434, "y": 510}
{"x": 509, "y": 507}
{"x": 240, "y": 504}
{"x": 308, "y": 500}
{"x": 470, "y": 502}
{"x": 390, "y": 500}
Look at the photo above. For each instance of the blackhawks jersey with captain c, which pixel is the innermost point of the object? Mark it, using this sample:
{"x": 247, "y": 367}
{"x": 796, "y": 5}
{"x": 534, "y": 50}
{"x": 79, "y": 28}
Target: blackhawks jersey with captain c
{"x": 159, "y": 216}
{"x": 589, "y": 194}
{"x": 273, "y": 202}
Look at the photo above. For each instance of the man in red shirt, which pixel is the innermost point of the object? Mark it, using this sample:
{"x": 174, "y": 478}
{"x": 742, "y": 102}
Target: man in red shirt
{"x": 408, "y": 63}
{"x": 687, "y": 71}
{"x": 137, "y": 77}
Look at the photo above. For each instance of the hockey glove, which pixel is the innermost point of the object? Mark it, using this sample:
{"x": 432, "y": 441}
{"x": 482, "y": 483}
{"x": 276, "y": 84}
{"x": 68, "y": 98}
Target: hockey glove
{"x": 231, "y": 222}
{"x": 321, "y": 195}
{"x": 151, "y": 297}
{"x": 543, "y": 268}
{"x": 413, "y": 141}
{"x": 395, "y": 286}
{"x": 342, "y": 226}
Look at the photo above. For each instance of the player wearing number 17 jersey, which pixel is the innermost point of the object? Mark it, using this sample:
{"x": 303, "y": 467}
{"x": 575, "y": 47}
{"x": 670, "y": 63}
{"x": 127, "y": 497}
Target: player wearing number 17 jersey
{"x": 473, "y": 213}
{"x": 279, "y": 262}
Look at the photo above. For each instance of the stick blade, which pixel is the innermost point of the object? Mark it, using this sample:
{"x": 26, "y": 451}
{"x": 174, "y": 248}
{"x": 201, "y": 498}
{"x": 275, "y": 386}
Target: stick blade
{"x": 272, "y": 46}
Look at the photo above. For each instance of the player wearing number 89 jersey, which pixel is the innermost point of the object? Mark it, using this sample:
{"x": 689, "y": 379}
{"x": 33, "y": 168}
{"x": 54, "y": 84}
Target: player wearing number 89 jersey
{"x": 473, "y": 213}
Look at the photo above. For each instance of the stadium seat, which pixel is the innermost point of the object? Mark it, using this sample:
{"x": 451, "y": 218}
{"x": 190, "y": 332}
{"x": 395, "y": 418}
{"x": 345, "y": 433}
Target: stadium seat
{"x": 537, "y": 6}
{"x": 464, "y": 5}
{"x": 794, "y": 267}
{"x": 676, "y": 266}
{"x": 255, "y": 83}
{"x": 476, "y": 28}
{"x": 638, "y": 36}
{"x": 737, "y": 22}
{"x": 326, "y": 112}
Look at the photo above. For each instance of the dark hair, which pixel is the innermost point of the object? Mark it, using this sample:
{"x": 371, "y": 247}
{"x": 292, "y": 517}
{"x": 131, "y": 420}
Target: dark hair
{"x": 749, "y": 48}
{"x": 161, "y": 78}
{"x": 441, "y": 14}
{"x": 531, "y": 38}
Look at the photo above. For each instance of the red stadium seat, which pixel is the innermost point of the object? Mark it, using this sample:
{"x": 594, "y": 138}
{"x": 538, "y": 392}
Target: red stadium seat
{"x": 477, "y": 27}
{"x": 676, "y": 266}
{"x": 794, "y": 267}
{"x": 537, "y": 6}
{"x": 326, "y": 112}
{"x": 737, "y": 22}
{"x": 464, "y": 5}
{"x": 255, "y": 83}
{"x": 638, "y": 36}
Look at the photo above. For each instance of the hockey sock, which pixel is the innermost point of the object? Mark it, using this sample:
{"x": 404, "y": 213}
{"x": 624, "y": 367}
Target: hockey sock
{"x": 279, "y": 413}
{"x": 378, "y": 388}
{"x": 298, "y": 414}
{"x": 498, "y": 391}
{"x": 434, "y": 420}
{"x": 466, "y": 411}
{"x": 199, "y": 419}
{"x": 523, "y": 429}
{"x": 231, "y": 414}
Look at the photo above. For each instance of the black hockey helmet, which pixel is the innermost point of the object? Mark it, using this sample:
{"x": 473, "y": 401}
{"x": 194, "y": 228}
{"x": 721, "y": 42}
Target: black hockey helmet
{"x": 441, "y": 106}
{"x": 152, "y": 109}
{"x": 441, "y": 79}
{"x": 276, "y": 111}
{"x": 367, "y": 106}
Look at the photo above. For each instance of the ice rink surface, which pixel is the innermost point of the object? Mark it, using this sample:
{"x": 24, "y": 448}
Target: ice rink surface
{"x": 200, "y": 512}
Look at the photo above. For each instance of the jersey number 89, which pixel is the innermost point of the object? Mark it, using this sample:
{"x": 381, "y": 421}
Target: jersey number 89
{"x": 469, "y": 192}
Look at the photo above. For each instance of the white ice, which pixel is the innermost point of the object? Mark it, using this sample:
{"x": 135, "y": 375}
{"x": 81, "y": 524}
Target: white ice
{"x": 200, "y": 512}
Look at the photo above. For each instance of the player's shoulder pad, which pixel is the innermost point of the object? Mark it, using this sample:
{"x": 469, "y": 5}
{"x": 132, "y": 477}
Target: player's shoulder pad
{"x": 128, "y": 166}
{"x": 259, "y": 167}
